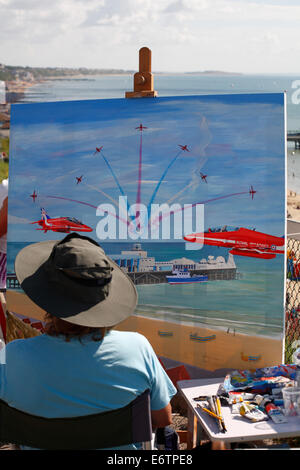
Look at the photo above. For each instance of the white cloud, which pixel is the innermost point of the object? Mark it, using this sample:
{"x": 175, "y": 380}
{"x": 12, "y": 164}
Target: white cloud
{"x": 186, "y": 6}
{"x": 184, "y": 35}
{"x": 17, "y": 220}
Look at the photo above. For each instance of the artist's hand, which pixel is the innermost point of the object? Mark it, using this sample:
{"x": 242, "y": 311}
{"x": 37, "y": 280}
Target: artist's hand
{"x": 161, "y": 418}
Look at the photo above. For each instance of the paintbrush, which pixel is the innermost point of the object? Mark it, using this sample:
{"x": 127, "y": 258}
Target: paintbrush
{"x": 219, "y": 413}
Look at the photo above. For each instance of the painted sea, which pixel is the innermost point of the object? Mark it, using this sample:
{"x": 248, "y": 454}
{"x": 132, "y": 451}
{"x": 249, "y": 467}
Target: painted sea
{"x": 212, "y": 304}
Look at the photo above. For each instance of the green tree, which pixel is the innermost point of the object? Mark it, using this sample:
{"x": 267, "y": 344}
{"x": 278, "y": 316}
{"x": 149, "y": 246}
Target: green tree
{"x": 4, "y": 145}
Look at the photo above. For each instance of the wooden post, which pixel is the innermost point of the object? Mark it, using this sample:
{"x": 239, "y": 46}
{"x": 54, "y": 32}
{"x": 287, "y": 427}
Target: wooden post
{"x": 143, "y": 79}
{"x": 192, "y": 430}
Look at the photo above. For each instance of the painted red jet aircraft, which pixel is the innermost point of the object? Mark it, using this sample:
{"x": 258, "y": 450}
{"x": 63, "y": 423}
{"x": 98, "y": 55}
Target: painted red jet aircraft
{"x": 184, "y": 147}
{"x": 241, "y": 241}
{"x": 98, "y": 149}
{"x": 79, "y": 179}
{"x": 252, "y": 192}
{"x": 61, "y": 224}
{"x": 33, "y": 195}
{"x": 203, "y": 177}
{"x": 141, "y": 127}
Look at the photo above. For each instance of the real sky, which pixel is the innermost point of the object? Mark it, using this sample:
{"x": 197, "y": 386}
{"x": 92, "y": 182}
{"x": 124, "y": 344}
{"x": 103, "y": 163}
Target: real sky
{"x": 249, "y": 36}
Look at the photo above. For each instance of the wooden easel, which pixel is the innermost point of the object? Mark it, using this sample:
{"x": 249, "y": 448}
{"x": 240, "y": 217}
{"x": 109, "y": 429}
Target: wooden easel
{"x": 143, "y": 87}
{"x": 143, "y": 80}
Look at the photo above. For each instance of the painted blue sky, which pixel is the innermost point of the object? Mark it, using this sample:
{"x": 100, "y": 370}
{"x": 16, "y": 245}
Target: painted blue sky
{"x": 236, "y": 140}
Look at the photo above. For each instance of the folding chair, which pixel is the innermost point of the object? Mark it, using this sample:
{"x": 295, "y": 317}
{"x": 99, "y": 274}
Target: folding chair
{"x": 127, "y": 425}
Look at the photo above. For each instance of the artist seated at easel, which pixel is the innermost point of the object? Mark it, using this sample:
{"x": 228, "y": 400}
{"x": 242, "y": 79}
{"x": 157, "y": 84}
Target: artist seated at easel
{"x": 80, "y": 366}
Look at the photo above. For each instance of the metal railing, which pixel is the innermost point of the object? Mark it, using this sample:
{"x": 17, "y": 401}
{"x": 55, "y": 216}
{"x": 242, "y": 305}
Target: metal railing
{"x": 292, "y": 306}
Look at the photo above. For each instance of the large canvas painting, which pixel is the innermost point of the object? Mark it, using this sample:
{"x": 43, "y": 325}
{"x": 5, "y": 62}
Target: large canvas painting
{"x": 186, "y": 194}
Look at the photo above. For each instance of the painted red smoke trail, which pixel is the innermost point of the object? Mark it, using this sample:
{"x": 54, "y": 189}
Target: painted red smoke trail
{"x": 138, "y": 195}
{"x": 202, "y": 202}
{"x": 88, "y": 204}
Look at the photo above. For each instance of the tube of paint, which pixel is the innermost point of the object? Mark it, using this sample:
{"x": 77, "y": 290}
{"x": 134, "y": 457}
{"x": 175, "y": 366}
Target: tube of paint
{"x": 275, "y": 413}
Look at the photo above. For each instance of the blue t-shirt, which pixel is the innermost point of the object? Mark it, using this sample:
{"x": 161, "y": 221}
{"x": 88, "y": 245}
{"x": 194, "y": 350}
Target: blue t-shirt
{"x": 49, "y": 377}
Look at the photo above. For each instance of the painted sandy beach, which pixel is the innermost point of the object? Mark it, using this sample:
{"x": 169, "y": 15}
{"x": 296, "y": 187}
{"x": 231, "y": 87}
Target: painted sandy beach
{"x": 226, "y": 350}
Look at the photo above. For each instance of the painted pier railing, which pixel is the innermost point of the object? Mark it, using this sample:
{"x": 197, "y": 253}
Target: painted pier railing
{"x": 294, "y": 137}
{"x": 153, "y": 277}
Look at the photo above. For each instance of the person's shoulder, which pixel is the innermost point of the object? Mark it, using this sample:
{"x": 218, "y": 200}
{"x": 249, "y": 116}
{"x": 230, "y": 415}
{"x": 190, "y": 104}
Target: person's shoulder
{"x": 129, "y": 336}
{"x": 26, "y": 343}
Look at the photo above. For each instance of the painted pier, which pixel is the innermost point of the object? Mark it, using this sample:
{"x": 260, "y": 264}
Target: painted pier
{"x": 294, "y": 137}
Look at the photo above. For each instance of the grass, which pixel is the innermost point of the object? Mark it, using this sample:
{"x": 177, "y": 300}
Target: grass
{"x": 3, "y": 170}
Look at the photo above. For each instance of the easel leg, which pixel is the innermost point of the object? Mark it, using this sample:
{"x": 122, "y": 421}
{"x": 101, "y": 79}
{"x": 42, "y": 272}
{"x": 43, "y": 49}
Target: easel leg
{"x": 192, "y": 430}
{"x": 220, "y": 445}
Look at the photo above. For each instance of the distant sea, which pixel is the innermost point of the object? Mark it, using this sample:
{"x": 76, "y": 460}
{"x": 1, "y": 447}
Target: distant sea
{"x": 115, "y": 86}
{"x": 250, "y": 305}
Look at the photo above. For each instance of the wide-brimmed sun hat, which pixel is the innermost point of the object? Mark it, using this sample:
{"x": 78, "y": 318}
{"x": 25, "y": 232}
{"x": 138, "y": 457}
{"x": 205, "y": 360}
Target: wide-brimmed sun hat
{"x": 74, "y": 280}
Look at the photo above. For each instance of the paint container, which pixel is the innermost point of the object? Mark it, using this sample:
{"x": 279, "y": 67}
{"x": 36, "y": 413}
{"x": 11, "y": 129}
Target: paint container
{"x": 291, "y": 398}
{"x": 252, "y": 412}
{"x": 278, "y": 401}
{"x": 262, "y": 400}
{"x": 275, "y": 413}
{"x": 235, "y": 397}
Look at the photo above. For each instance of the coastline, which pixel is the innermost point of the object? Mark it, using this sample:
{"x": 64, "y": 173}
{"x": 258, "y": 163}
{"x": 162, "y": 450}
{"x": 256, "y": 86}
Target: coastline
{"x": 225, "y": 350}
{"x": 211, "y": 328}
{"x": 15, "y": 90}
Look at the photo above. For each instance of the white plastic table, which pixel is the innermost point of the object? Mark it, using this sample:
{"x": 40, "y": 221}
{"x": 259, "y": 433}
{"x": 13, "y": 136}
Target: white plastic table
{"x": 239, "y": 429}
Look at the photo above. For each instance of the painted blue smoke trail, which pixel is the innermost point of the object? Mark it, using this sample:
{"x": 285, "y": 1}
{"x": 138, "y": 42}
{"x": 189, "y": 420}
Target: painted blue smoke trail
{"x": 161, "y": 180}
{"x": 113, "y": 174}
{"x": 116, "y": 179}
